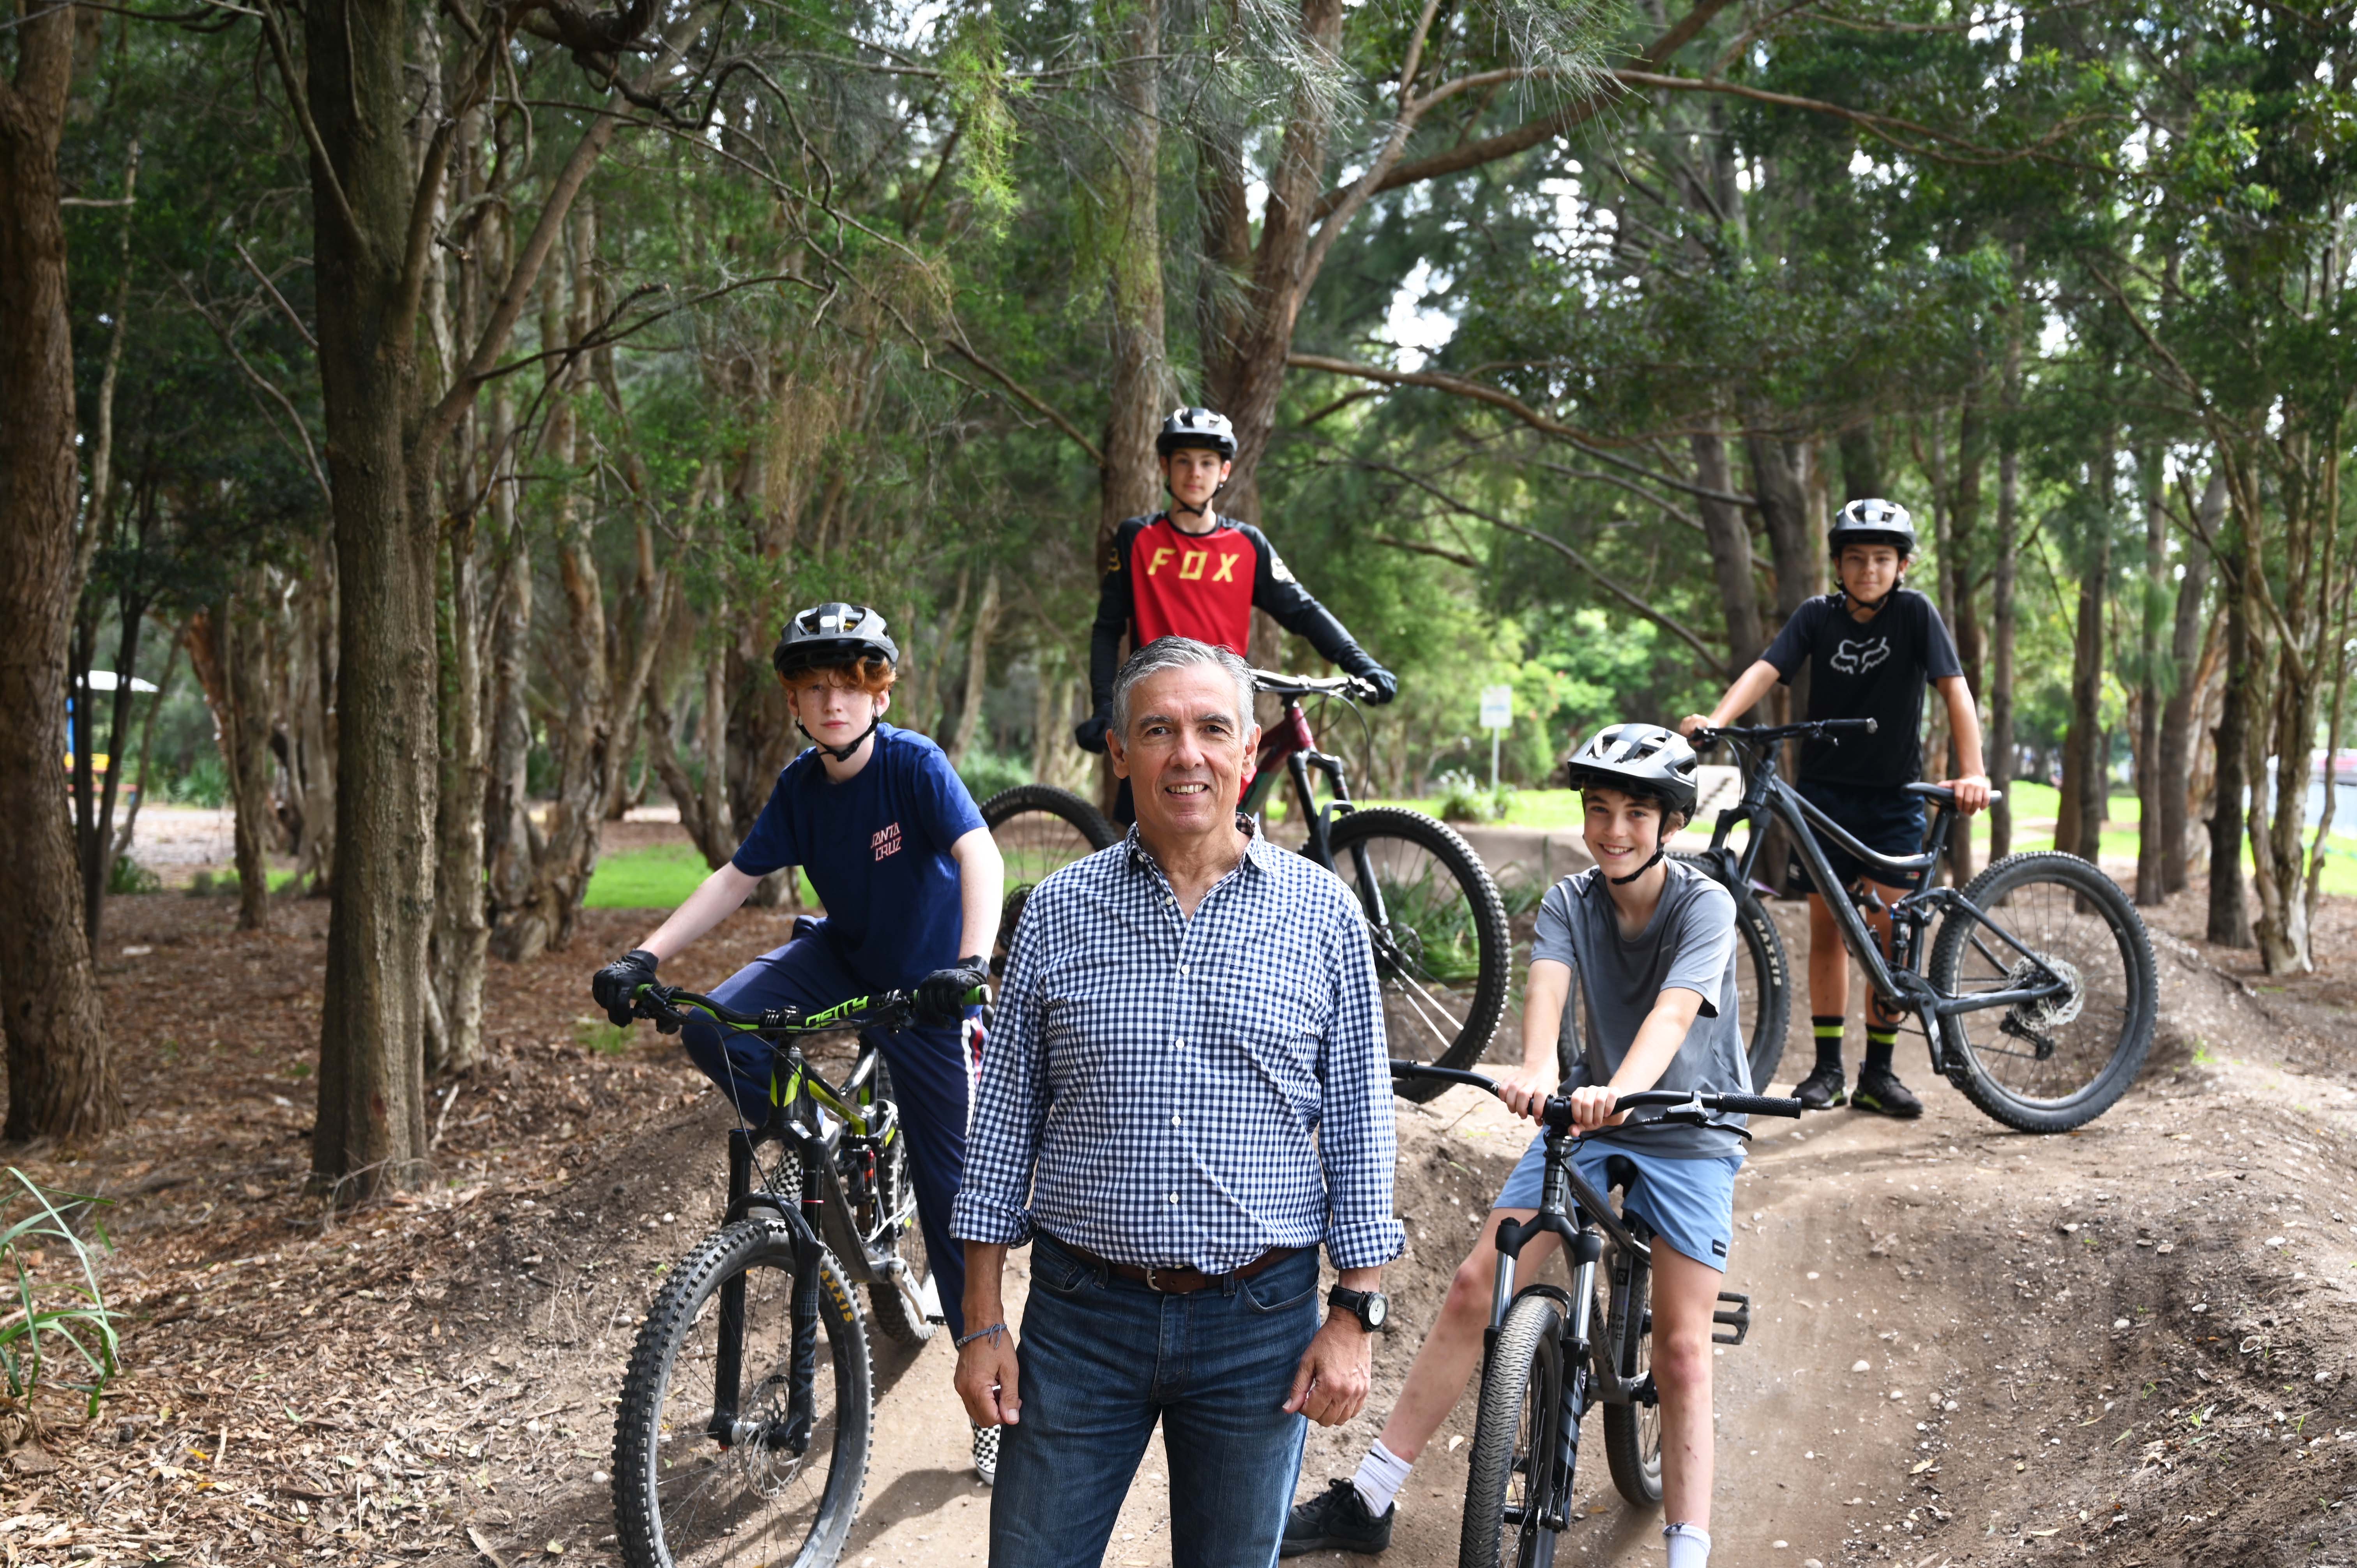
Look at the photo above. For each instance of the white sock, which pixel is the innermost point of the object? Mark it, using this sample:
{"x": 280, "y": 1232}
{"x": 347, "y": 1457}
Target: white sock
{"x": 1689, "y": 1547}
{"x": 1380, "y": 1475}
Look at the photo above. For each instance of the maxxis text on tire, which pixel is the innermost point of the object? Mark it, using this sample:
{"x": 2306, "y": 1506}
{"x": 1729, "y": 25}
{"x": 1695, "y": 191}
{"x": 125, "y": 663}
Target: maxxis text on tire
{"x": 888, "y": 1309}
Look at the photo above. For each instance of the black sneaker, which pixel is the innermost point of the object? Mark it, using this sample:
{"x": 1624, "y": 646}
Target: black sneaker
{"x": 1822, "y": 1090}
{"x": 1338, "y": 1521}
{"x": 1879, "y": 1091}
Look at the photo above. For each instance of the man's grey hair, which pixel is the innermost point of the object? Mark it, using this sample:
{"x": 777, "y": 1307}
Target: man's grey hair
{"x": 1178, "y": 653}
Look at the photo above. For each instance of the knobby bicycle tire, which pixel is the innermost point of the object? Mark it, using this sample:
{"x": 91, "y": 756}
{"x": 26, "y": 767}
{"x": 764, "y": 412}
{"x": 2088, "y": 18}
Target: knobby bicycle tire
{"x": 1771, "y": 973}
{"x": 1514, "y": 1433}
{"x": 888, "y": 1307}
{"x": 1986, "y": 1060}
{"x": 1633, "y": 1443}
{"x": 1462, "y": 1022}
{"x": 1038, "y": 830}
{"x": 669, "y": 1479}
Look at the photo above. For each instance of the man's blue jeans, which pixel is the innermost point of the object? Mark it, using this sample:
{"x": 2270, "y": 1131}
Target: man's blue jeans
{"x": 1102, "y": 1359}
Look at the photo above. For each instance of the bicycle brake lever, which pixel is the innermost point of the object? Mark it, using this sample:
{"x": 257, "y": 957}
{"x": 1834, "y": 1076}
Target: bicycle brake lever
{"x": 1690, "y": 1114}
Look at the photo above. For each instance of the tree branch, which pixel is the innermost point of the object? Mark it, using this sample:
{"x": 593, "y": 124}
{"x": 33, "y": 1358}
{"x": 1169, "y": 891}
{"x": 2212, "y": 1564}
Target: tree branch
{"x": 301, "y": 108}
{"x": 1457, "y": 385}
{"x": 1028, "y": 398}
{"x": 1546, "y": 127}
{"x": 1412, "y": 548}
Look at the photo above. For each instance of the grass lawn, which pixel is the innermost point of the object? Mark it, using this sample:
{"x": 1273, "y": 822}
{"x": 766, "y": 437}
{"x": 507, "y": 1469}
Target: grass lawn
{"x": 659, "y": 877}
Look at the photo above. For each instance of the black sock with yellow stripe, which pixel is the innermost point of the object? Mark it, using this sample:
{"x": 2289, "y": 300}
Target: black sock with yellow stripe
{"x": 1881, "y": 1043}
{"x": 1828, "y": 1030}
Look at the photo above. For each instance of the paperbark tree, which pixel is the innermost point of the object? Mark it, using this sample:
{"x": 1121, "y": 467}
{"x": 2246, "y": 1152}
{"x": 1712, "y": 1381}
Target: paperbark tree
{"x": 2156, "y": 681}
{"x": 373, "y": 240}
{"x": 2185, "y": 646}
{"x": 61, "y": 1080}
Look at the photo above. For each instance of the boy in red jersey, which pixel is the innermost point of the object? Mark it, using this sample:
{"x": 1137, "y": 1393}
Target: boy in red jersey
{"x": 1187, "y": 572}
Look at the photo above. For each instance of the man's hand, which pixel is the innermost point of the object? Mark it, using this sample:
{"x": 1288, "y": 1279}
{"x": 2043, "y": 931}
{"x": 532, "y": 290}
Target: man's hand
{"x": 1972, "y": 792}
{"x": 1693, "y": 722}
{"x": 986, "y": 1380}
{"x": 1091, "y": 732}
{"x": 1336, "y": 1371}
{"x": 1385, "y": 684}
{"x": 1592, "y": 1108}
{"x": 1526, "y": 1089}
{"x": 613, "y": 986}
{"x": 940, "y": 995}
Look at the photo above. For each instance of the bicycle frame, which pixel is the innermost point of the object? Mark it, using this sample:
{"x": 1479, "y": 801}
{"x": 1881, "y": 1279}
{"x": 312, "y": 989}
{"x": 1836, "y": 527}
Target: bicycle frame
{"x": 1287, "y": 744}
{"x": 1896, "y": 978}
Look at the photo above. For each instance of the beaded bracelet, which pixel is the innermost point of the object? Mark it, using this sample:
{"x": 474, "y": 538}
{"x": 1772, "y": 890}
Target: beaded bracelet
{"x": 994, "y": 1328}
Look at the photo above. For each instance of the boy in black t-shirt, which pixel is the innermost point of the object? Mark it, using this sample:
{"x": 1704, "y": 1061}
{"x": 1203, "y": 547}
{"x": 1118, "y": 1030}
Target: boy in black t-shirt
{"x": 1870, "y": 649}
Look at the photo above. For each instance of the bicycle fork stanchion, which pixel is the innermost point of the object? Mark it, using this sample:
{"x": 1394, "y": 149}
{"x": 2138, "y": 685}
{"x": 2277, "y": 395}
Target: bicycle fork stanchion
{"x": 728, "y": 1354}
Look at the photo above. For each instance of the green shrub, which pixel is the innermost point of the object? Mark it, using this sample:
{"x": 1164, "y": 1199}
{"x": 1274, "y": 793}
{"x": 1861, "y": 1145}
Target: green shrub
{"x": 602, "y": 1037}
{"x": 206, "y": 883}
{"x": 53, "y": 1311}
{"x": 127, "y": 875}
{"x": 988, "y": 772}
{"x": 1461, "y": 799}
{"x": 206, "y": 783}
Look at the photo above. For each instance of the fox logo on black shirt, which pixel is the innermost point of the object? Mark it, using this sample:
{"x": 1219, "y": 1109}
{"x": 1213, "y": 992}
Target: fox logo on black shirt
{"x": 1857, "y": 658}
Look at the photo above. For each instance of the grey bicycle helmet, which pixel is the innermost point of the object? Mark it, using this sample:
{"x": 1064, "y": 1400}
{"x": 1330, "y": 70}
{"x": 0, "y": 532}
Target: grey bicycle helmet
{"x": 833, "y": 634}
{"x": 1197, "y": 427}
{"x": 1644, "y": 759}
{"x": 1872, "y": 523}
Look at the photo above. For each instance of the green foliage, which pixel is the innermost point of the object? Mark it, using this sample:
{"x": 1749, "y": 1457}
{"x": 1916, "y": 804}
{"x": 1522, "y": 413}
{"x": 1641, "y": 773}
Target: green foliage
{"x": 56, "y": 1328}
{"x": 602, "y": 1037}
{"x": 986, "y": 773}
{"x": 205, "y": 783}
{"x": 127, "y": 875}
{"x": 1461, "y": 798}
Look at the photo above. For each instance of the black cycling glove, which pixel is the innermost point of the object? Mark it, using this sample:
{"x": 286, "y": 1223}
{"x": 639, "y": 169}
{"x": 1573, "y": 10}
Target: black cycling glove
{"x": 1091, "y": 732}
{"x": 614, "y": 985}
{"x": 940, "y": 995}
{"x": 1385, "y": 684}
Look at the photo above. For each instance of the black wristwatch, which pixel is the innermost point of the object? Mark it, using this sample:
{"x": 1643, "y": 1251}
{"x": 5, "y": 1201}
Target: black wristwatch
{"x": 1371, "y": 1307}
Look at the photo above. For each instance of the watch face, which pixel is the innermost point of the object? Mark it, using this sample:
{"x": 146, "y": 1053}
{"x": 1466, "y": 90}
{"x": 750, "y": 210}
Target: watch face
{"x": 1376, "y": 1310}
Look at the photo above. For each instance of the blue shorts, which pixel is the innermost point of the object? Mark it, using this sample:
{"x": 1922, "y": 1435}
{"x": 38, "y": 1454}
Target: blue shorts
{"x": 1690, "y": 1204}
{"x": 1884, "y": 818}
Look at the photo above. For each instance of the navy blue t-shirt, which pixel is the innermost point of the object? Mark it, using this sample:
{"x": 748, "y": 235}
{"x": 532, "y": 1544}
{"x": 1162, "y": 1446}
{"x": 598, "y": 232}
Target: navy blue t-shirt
{"x": 876, "y": 847}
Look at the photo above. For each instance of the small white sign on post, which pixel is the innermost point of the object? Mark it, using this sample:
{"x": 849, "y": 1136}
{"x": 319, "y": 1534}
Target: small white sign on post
{"x": 1497, "y": 717}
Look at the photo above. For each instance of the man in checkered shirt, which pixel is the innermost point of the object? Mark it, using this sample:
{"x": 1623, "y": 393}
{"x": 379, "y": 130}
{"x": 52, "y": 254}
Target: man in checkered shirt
{"x": 1185, "y": 1096}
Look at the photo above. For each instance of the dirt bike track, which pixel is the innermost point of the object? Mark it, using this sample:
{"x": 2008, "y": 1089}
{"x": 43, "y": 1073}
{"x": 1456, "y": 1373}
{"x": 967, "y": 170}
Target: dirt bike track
{"x": 2129, "y": 1346}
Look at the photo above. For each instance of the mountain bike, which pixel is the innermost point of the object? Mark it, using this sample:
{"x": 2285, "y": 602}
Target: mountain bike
{"x": 1546, "y": 1364}
{"x": 2037, "y": 997}
{"x": 1443, "y": 952}
{"x": 742, "y": 1433}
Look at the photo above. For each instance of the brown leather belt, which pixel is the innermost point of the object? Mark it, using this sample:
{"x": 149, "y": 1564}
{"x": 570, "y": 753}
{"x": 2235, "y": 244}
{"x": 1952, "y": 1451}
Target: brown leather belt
{"x": 1176, "y": 1281}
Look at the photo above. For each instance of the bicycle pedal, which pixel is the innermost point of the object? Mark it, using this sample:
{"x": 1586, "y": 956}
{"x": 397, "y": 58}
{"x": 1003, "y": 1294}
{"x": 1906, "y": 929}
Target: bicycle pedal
{"x": 1737, "y": 1317}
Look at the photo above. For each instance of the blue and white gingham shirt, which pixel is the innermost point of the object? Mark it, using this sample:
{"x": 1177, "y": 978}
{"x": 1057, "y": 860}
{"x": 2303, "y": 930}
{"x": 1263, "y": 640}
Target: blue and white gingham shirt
{"x": 1175, "y": 1092}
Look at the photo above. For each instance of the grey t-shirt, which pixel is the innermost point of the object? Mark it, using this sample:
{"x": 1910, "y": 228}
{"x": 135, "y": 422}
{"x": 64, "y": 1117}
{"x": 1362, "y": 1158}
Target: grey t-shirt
{"x": 1689, "y": 943}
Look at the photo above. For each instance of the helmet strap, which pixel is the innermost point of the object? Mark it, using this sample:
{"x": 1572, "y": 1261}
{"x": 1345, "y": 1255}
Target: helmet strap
{"x": 841, "y": 753}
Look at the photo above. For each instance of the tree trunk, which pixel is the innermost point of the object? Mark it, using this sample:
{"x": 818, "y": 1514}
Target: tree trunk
{"x": 1130, "y": 482}
{"x": 1861, "y": 464}
{"x": 371, "y": 1132}
{"x": 510, "y": 840}
{"x": 2176, "y": 743}
{"x": 60, "y": 1082}
{"x": 2001, "y": 585}
{"x": 1728, "y": 537}
{"x": 310, "y": 717}
{"x": 246, "y": 747}
{"x": 1797, "y": 551}
{"x": 2153, "y": 688}
{"x": 2085, "y": 782}
{"x": 461, "y": 933}
{"x": 977, "y": 669}
{"x": 2229, "y": 922}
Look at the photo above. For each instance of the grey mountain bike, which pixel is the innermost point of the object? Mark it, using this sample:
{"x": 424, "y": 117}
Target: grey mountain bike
{"x": 2036, "y": 996}
{"x": 1552, "y": 1355}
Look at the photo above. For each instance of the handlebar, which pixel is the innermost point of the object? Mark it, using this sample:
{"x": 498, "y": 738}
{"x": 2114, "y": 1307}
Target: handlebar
{"x": 1813, "y": 729}
{"x": 1682, "y": 1105}
{"x": 890, "y": 1009}
{"x": 1281, "y": 685}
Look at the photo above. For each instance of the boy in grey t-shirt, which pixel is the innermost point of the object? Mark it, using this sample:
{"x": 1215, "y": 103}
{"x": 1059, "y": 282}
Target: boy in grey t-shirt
{"x": 1652, "y": 941}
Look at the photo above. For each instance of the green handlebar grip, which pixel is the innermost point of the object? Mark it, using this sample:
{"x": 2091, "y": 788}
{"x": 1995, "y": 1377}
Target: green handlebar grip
{"x": 978, "y": 997}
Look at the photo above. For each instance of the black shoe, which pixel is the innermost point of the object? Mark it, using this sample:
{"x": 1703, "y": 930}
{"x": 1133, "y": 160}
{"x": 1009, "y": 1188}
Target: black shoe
{"x": 1822, "y": 1090}
{"x": 1879, "y": 1091}
{"x": 1338, "y": 1521}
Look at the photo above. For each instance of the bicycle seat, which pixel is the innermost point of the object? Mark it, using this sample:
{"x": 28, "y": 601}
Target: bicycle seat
{"x": 1620, "y": 1171}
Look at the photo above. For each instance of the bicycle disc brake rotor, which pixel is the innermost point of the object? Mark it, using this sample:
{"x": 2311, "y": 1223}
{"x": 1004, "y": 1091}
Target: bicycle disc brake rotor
{"x": 2053, "y": 1011}
{"x": 766, "y": 1466}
